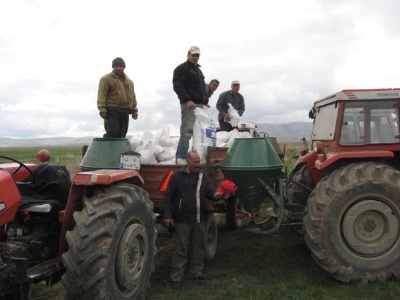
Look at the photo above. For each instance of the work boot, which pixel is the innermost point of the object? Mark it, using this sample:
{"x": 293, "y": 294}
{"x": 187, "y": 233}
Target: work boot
{"x": 176, "y": 285}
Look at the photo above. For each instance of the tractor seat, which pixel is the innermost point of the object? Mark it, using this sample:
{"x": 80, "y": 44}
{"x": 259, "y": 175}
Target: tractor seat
{"x": 47, "y": 190}
{"x": 31, "y": 204}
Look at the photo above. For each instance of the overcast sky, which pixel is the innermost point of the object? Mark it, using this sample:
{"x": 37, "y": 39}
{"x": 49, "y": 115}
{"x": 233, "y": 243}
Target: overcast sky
{"x": 287, "y": 54}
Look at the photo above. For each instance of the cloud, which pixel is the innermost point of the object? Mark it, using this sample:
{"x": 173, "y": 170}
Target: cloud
{"x": 286, "y": 54}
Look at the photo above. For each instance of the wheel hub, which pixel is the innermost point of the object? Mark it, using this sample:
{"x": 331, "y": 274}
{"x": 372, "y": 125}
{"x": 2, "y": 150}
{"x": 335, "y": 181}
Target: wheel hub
{"x": 370, "y": 227}
{"x": 131, "y": 257}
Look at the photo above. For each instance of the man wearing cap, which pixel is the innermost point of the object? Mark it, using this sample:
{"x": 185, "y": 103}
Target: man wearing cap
{"x": 235, "y": 99}
{"x": 188, "y": 83}
{"x": 116, "y": 100}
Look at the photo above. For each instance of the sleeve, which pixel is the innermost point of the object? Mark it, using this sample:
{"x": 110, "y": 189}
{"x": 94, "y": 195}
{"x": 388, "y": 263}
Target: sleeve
{"x": 210, "y": 189}
{"x": 168, "y": 197}
{"x": 221, "y": 104}
{"x": 134, "y": 102}
{"x": 241, "y": 106}
{"x": 102, "y": 95}
{"x": 179, "y": 84}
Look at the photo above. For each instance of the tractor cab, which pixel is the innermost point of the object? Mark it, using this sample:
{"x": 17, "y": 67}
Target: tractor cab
{"x": 354, "y": 125}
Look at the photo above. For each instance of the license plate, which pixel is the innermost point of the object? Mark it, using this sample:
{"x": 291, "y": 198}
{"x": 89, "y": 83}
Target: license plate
{"x": 131, "y": 162}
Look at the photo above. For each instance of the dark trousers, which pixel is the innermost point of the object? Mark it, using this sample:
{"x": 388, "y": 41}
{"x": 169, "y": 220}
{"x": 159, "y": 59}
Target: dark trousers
{"x": 188, "y": 247}
{"x": 224, "y": 126}
{"x": 117, "y": 122}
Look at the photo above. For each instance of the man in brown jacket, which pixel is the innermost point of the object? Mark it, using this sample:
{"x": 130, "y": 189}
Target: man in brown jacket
{"x": 116, "y": 100}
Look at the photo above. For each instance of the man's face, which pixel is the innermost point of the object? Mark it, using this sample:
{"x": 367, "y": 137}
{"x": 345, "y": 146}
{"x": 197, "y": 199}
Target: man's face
{"x": 193, "y": 162}
{"x": 193, "y": 58}
{"x": 119, "y": 70}
{"x": 235, "y": 88}
{"x": 213, "y": 86}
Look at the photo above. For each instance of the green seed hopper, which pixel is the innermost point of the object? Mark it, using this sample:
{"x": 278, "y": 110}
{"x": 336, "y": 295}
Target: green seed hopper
{"x": 105, "y": 153}
{"x": 254, "y": 165}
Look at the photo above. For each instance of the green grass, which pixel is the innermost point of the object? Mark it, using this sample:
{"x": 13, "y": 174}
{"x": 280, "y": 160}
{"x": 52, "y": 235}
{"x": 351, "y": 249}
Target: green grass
{"x": 257, "y": 266}
{"x": 247, "y": 266}
{"x": 66, "y": 156}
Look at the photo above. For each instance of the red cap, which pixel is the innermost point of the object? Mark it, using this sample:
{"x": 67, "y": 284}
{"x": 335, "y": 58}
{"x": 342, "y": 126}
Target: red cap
{"x": 227, "y": 186}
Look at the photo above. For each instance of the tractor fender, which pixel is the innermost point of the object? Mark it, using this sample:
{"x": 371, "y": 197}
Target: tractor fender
{"x": 105, "y": 176}
{"x": 83, "y": 184}
{"x": 370, "y": 155}
{"x": 319, "y": 168}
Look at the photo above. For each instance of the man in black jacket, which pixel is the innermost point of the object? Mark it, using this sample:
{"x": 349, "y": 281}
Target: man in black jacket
{"x": 189, "y": 85}
{"x": 185, "y": 210}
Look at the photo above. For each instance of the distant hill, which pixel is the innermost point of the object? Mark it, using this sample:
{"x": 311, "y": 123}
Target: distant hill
{"x": 288, "y": 132}
{"x": 45, "y": 142}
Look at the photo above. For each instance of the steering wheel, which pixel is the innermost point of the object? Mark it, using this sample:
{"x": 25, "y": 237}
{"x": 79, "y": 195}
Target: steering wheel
{"x": 21, "y": 165}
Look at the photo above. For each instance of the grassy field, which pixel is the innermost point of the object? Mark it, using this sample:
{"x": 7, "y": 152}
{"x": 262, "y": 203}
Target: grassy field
{"x": 66, "y": 156}
{"x": 247, "y": 266}
{"x": 255, "y": 266}
{"x": 250, "y": 266}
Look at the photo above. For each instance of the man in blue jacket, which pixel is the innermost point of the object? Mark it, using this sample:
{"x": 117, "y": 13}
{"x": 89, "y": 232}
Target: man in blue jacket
{"x": 189, "y": 85}
{"x": 185, "y": 210}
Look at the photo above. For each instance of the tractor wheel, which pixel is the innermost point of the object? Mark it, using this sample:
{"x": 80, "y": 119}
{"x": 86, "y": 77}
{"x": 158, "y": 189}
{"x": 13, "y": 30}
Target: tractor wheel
{"x": 232, "y": 207}
{"x": 298, "y": 194}
{"x": 112, "y": 246}
{"x": 352, "y": 223}
{"x": 211, "y": 237}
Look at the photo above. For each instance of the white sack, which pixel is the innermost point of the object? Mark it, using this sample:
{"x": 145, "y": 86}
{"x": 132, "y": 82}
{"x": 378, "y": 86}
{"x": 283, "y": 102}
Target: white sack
{"x": 233, "y": 115}
{"x": 232, "y": 136}
{"x": 204, "y": 133}
{"x": 164, "y": 139}
{"x": 147, "y": 154}
{"x": 166, "y": 155}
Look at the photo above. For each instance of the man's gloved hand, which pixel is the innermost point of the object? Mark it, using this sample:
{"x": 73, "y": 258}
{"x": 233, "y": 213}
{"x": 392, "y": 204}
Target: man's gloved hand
{"x": 103, "y": 114}
{"x": 135, "y": 115}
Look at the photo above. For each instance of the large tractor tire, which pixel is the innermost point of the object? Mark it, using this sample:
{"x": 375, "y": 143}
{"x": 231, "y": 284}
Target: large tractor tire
{"x": 233, "y": 205}
{"x": 352, "y": 223}
{"x": 112, "y": 247}
{"x": 297, "y": 193}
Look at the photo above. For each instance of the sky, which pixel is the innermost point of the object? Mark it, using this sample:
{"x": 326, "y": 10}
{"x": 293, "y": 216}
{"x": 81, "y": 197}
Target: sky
{"x": 286, "y": 54}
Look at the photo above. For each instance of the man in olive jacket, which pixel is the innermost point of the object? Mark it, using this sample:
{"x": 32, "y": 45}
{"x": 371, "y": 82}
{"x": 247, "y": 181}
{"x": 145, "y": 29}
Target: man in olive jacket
{"x": 185, "y": 210}
{"x": 116, "y": 100}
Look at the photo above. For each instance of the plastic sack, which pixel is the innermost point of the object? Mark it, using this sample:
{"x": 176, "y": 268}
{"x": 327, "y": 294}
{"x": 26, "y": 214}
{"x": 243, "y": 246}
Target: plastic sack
{"x": 166, "y": 155}
{"x": 234, "y": 116}
{"x": 204, "y": 132}
{"x": 147, "y": 154}
{"x": 164, "y": 139}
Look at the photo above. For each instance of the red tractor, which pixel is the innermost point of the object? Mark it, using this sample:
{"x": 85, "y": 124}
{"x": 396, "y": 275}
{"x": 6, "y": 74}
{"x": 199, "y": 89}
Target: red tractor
{"x": 95, "y": 233}
{"x": 347, "y": 188}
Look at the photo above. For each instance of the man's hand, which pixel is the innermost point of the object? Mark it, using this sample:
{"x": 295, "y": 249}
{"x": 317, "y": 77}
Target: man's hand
{"x": 227, "y": 118}
{"x": 207, "y": 105}
{"x": 103, "y": 114}
{"x": 168, "y": 222}
{"x": 190, "y": 104}
{"x": 223, "y": 196}
{"x": 135, "y": 115}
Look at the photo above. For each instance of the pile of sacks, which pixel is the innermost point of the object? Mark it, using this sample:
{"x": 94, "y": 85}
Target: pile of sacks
{"x": 160, "y": 147}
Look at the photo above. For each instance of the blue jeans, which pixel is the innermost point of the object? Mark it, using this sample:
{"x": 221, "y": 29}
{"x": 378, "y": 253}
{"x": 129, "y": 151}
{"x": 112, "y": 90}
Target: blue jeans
{"x": 187, "y": 123}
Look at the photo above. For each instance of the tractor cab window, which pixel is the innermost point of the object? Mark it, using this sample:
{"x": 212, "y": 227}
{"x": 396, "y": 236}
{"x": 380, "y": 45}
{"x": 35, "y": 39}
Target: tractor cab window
{"x": 370, "y": 122}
